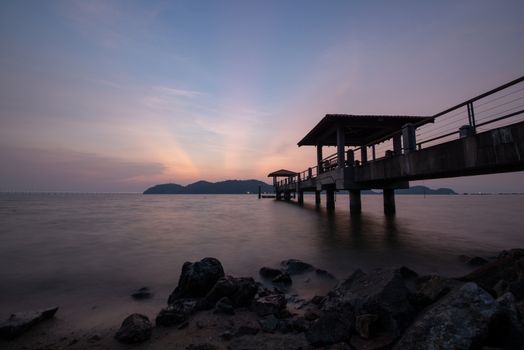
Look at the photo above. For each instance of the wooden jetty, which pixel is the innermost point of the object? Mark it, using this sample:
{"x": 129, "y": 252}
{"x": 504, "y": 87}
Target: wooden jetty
{"x": 483, "y": 135}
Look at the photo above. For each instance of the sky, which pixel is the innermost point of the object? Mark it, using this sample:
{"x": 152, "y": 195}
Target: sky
{"x": 117, "y": 96}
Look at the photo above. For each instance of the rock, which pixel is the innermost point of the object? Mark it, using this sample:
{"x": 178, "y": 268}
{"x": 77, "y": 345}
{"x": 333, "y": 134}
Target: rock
{"x": 509, "y": 267}
{"x": 94, "y": 339}
{"x": 176, "y": 313}
{"x": 330, "y": 328}
{"x": 366, "y": 325}
{"x": 295, "y": 266}
{"x": 476, "y": 261}
{"x": 380, "y": 342}
{"x": 283, "y": 278}
{"x": 20, "y": 322}
{"x": 227, "y": 335}
{"x": 432, "y": 288}
{"x": 283, "y": 314}
{"x": 224, "y": 306}
{"x": 136, "y": 328}
{"x": 183, "y": 325}
{"x": 317, "y": 300}
{"x": 460, "y": 320}
{"x": 203, "y": 346}
{"x": 517, "y": 288}
{"x": 270, "y": 341}
{"x": 270, "y": 304}
{"x": 197, "y": 279}
{"x": 299, "y": 324}
{"x": 506, "y": 331}
{"x": 268, "y": 272}
{"x": 501, "y": 287}
{"x": 246, "y": 330}
{"x": 324, "y": 274}
{"x": 240, "y": 290}
{"x": 269, "y": 324}
{"x": 142, "y": 293}
{"x": 338, "y": 346}
{"x": 311, "y": 315}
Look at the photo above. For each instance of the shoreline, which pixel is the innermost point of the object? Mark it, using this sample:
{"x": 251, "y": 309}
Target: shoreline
{"x": 265, "y": 317}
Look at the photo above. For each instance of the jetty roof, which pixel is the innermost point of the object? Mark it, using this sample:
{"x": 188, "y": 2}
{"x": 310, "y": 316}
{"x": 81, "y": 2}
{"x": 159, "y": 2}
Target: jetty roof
{"x": 359, "y": 129}
{"x": 283, "y": 173}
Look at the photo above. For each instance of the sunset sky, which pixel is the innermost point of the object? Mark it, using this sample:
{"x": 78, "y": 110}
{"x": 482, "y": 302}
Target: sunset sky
{"x": 122, "y": 95}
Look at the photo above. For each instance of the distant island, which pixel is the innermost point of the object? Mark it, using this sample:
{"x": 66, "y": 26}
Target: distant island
{"x": 205, "y": 187}
{"x": 251, "y": 186}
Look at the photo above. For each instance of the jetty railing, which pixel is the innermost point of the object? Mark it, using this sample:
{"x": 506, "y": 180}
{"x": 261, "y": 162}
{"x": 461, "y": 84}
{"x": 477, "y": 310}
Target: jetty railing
{"x": 495, "y": 108}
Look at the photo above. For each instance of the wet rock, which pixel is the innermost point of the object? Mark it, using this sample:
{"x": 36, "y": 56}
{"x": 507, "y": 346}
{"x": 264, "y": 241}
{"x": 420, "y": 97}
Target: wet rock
{"x": 330, "y": 328}
{"x": 283, "y": 279}
{"x": 183, "y": 325}
{"x": 224, "y": 306}
{"x": 142, "y": 293}
{"x": 501, "y": 287}
{"x": 295, "y": 266}
{"x": 203, "y": 346}
{"x": 317, "y": 300}
{"x": 197, "y": 279}
{"x": 283, "y": 314}
{"x": 299, "y": 324}
{"x": 324, "y": 274}
{"x": 517, "y": 288}
{"x": 476, "y": 261}
{"x": 227, "y": 335}
{"x": 136, "y": 328}
{"x": 270, "y": 304}
{"x": 366, "y": 325}
{"x": 506, "y": 331}
{"x": 339, "y": 346}
{"x": 176, "y": 313}
{"x": 20, "y": 322}
{"x": 240, "y": 290}
{"x": 460, "y": 320}
{"x": 432, "y": 288}
{"x": 269, "y": 324}
{"x": 94, "y": 339}
{"x": 311, "y": 315}
{"x": 268, "y": 272}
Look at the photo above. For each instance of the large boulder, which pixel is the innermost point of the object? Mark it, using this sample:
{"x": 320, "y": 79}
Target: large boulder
{"x": 460, "y": 320}
{"x": 295, "y": 266}
{"x": 330, "y": 328}
{"x": 240, "y": 290}
{"x": 176, "y": 313}
{"x": 197, "y": 279}
{"x": 270, "y": 304}
{"x": 20, "y": 322}
{"x": 136, "y": 328}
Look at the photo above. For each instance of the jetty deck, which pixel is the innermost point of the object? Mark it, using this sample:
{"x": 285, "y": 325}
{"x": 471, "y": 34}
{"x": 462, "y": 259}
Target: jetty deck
{"x": 483, "y": 135}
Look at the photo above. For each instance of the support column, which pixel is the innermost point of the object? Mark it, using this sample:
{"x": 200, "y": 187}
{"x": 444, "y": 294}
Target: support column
{"x": 409, "y": 139}
{"x": 287, "y": 196}
{"x": 389, "y": 201}
{"x": 319, "y": 159}
{"x": 363, "y": 154}
{"x": 300, "y": 197}
{"x": 350, "y": 155}
{"x": 330, "y": 199}
{"x": 259, "y": 192}
{"x": 317, "y": 198}
{"x": 278, "y": 196}
{"x": 397, "y": 144}
{"x": 373, "y": 154}
{"x": 341, "y": 143}
{"x": 355, "y": 205}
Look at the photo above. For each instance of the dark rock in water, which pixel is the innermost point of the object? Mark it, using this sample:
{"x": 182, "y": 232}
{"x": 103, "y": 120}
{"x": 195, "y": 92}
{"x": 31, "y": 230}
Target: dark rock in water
{"x": 270, "y": 304}
{"x": 506, "y": 330}
{"x": 268, "y": 272}
{"x": 246, "y": 330}
{"x": 283, "y": 278}
{"x": 476, "y": 261}
{"x": 330, "y": 328}
{"x": 224, "y": 306}
{"x": 136, "y": 328}
{"x": 366, "y": 325}
{"x": 176, "y": 313}
{"x": 197, "y": 279}
{"x": 203, "y": 346}
{"x": 240, "y": 290}
{"x": 509, "y": 267}
{"x": 269, "y": 324}
{"x": 295, "y": 266}
{"x": 432, "y": 288}
{"x": 20, "y": 322}
{"x": 142, "y": 293}
{"x": 324, "y": 274}
{"x": 380, "y": 342}
{"x": 460, "y": 320}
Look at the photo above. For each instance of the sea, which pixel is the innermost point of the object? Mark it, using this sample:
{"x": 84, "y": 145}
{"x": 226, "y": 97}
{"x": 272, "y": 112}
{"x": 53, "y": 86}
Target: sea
{"x": 87, "y": 253}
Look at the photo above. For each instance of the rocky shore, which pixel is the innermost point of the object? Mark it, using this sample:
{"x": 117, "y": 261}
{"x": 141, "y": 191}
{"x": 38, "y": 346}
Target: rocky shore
{"x": 379, "y": 309}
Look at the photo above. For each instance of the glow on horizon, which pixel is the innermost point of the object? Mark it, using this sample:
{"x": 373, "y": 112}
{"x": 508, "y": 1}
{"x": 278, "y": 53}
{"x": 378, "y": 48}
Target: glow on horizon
{"x": 118, "y": 96}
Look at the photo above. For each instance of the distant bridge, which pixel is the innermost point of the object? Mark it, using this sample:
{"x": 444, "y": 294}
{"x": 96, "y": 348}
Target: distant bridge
{"x": 483, "y": 135}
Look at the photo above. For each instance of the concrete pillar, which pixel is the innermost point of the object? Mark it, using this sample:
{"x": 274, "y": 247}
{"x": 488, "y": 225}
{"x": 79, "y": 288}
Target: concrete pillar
{"x": 287, "y": 195}
{"x": 409, "y": 139}
{"x": 389, "y": 201}
{"x": 397, "y": 144}
{"x": 330, "y": 199}
{"x": 355, "y": 205}
{"x": 317, "y": 197}
{"x": 363, "y": 154}
{"x": 319, "y": 159}
{"x": 279, "y": 196}
{"x": 341, "y": 144}
{"x": 300, "y": 197}
{"x": 350, "y": 155}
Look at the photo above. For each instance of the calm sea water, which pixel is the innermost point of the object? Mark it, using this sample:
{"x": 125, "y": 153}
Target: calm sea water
{"x": 87, "y": 252}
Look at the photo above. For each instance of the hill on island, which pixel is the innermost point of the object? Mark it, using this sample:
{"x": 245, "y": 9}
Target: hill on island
{"x": 425, "y": 190}
{"x": 205, "y": 187}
